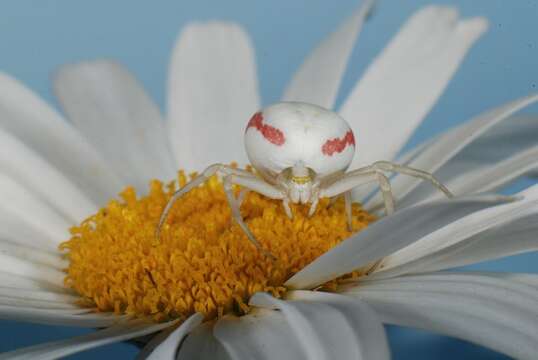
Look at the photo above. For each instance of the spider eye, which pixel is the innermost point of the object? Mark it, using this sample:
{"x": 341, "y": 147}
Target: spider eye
{"x": 301, "y": 180}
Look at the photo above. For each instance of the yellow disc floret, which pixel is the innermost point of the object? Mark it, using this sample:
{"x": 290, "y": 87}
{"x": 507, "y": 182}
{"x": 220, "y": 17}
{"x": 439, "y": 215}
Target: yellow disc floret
{"x": 202, "y": 261}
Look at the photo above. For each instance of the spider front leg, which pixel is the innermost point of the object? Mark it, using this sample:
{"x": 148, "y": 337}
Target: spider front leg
{"x": 252, "y": 183}
{"x": 347, "y": 204}
{"x": 287, "y": 208}
{"x": 200, "y": 179}
{"x": 406, "y": 170}
{"x": 356, "y": 178}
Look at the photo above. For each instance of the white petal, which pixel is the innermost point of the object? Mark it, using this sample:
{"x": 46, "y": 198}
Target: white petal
{"x": 34, "y": 313}
{"x": 386, "y": 236}
{"x": 213, "y": 91}
{"x": 318, "y": 79}
{"x": 36, "y": 256}
{"x": 482, "y": 179}
{"x": 57, "y": 349}
{"x": 453, "y": 283}
{"x": 34, "y": 294}
{"x": 529, "y": 279}
{"x": 20, "y": 282}
{"x": 501, "y": 154}
{"x": 262, "y": 334}
{"x": 153, "y": 342}
{"x": 38, "y": 126}
{"x": 367, "y": 326}
{"x": 113, "y": 111}
{"x": 324, "y": 326}
{"x": 17, "y": 266}
{"x": 516, "y": 134}
{"x": 168, "y": 348}
{"x": 29, "y": 170}
{"x": 201, "y": 344}
{"x": 525, "y": 278}
{"x": 37, "y": 304}
{"x": 15, "y": 229}
{"x": 406, "y": 79}
{"x": 510, "y": 239}
{"x": 450, "y": 143}
{"x": 468, "y": 239}
{"x": 495, "y": 313}
{"x": 80, "y": 318}
{"x": 21, "y": 204}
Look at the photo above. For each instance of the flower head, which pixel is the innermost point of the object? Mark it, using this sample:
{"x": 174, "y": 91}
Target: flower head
{"x": 200, "y": 263}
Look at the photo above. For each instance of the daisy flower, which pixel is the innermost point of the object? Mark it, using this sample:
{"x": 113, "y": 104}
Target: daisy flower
{"x": 73, "y": 253}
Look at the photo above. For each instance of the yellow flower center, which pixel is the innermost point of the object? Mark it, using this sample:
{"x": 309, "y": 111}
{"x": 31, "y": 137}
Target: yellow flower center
{"x": 202, "y": 262}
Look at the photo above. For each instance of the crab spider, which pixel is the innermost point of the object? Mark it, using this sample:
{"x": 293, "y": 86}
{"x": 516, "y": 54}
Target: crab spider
{"x": 301, "y": 153}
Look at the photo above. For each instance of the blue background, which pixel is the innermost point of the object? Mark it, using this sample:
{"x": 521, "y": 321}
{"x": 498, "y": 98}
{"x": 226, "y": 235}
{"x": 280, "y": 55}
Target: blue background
{"x": 38, "y": 36}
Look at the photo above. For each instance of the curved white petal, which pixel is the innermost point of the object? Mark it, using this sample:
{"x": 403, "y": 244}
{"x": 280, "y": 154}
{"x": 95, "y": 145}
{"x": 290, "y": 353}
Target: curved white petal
{"x": 213, "y": 91}
{"x": 529, "y": 279}
{"x": 201, "y": 344}
{"x": 57, "y": 349}
{"x": 168, "y": 348}
{"x": 366, "y": 324}
{"x": 153, "y": 342}
{"x": 524, "y": 278}
{"x": 37, "y": 304}
{"x": 406, "y": 79}
{"x": 34, "y": 255}
{"x": 36, "y": 124}
{"x": 517, "y": 134}
{"x": 80, "y": 318}
{"x": 15, "y": 229}
{"x": 451, "y": 143}
{"x": 318, "y": 79}
{"x": 501, "y": 154}
{"x": 115, "y": 114}
{"x": 262, "y": 334}
{"x": 466, "y": 239}
{"x": 325, "y": 328}
{"x": 386, "y": 236}
{"x": 34, "y": 294}
{"x": 10, "y": 280}
{"x": 17, "y": 266}
{"x": 486, "y": 178}
{"x": 495, "y": 313}
{"x": 10, "y": 311}
{"x": 514, "y": 238}
{"x": 37, "y": 176}
{"x": 21, "y": 206}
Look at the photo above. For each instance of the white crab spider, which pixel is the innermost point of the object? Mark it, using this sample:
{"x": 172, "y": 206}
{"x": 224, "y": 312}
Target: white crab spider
{"x": 301, "y": 153}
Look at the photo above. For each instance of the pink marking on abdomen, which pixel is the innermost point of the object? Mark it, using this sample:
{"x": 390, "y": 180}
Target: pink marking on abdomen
{"x": 269, "y": 132}
{"x": 337, "y": 145}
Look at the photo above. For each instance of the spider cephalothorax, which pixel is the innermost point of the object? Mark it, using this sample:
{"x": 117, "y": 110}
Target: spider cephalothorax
{"x": 301, "y": 153}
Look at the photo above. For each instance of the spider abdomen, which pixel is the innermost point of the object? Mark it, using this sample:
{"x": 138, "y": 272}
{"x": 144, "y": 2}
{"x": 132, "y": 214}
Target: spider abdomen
{"x": 287, "y": 133}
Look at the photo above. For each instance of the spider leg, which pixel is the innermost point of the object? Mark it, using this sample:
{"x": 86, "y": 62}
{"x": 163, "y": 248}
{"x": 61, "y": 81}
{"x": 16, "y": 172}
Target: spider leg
{"x": 386, "y": 190}
{"x": 287, "y": 208}
{"x": 200, "y": 179}
{"x": 406, "y": 170}
{"x": 255, "y": 184}
{"x": 347, "y": 203}
{"x": 313, "y": 206}
{"x": 333, "y": 201}
{"x": 242, "y": 195}
{"x": 357, "y": 178}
